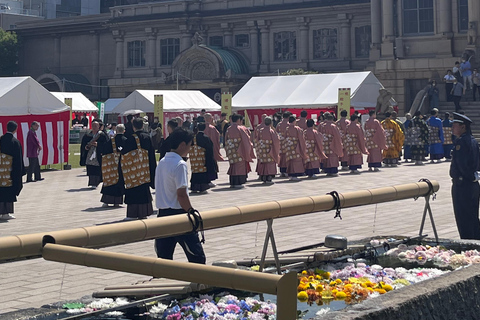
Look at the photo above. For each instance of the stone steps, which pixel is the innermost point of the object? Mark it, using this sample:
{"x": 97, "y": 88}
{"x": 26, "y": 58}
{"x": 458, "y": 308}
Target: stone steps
{"x": 472, "y": 110}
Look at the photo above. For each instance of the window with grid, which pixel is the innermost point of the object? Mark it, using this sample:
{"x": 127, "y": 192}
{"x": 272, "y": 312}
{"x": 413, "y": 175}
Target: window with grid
{"x": 242, "y": 40}
{"x": 463, "y": 15}
{"x": 136, "y": 54}
{"x": 417, "y": 16}
{"x": 169, "y": 50}
{"x": 285, "y": 46}
{"x": 363, "y": 38}
{"x": 215, "y": 41}
{"x": 325, "y": 44}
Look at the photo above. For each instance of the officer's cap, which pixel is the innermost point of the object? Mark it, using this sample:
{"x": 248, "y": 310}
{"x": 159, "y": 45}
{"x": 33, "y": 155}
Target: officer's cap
{"x": 460, "y": 118}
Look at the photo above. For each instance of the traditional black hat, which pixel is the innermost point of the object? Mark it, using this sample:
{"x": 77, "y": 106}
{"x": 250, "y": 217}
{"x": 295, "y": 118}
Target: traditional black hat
{"x": 460, "y": 118}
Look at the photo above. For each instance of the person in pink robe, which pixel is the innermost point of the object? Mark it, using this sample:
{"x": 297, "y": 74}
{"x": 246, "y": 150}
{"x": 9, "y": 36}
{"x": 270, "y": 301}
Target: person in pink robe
{"x": 314, "y": 143}
{"x": 355, "y": 144}
{"x": 375, "y": 141}
{"x": 332, "y": 146}
{"x": 259, "y": 127}
{"x": 296, "y": 150}
{"x": 268, "y": 152}
{"x": 342, "y": 126}
{"x": 281, "y": 130}
{"x": 302, "y": 122}
{"x": 214, "y": 135}
{"x": 239, "y": 151}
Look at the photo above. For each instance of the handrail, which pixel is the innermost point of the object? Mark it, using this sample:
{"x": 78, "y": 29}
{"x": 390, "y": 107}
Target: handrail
{"x": 283, "y": 286}
{"x": 30, "y": 245}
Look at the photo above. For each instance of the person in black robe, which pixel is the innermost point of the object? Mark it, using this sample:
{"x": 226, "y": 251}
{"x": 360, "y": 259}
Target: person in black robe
{"x": 165, "y": 145}
{"x": 114, "y": 194}
{"x": 200, "y": 180}
{"x": 139, "y": 199}
{"x": 92, "y": 143}
{"x": 10, "y": 145}
{"x": 129, "y": 126}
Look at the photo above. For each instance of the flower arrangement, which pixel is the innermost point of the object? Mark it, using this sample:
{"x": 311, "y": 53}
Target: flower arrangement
{"x": 438, "y": 255}
{"x": 354, "y": 283}
{"x": 227, "y": 307}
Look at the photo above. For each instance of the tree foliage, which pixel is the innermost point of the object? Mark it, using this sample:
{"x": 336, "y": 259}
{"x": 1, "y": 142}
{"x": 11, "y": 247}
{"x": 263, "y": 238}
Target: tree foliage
{"x": 8, "y": 53}
{"x": 296, "y": 72}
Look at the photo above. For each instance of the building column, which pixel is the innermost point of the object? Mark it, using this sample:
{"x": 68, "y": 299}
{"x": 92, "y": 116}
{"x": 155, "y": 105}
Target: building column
{"x": 345, "y": 39}
{"x": 376, "y": 21}
{"x": 95, "y": 61}
{"x": 227, "y": 35}
{"x": 473, "y": 22}
{"x": 387, "y": 15}
{"x": 119, "y": 61}
{"x": 151, "y": 61}
{"x": 253, "y": 45}
{"x": 303, "y": 45}
{"x": 186, "y": 38}
{"x": 265, "y": 41}
{"x": 445, "y": 23}
{"x": 57, "y": 40}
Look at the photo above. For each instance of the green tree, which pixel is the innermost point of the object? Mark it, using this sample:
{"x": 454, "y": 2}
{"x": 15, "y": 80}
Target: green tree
{"x": 296, "y": 72}
{"x": 8, "y": 53}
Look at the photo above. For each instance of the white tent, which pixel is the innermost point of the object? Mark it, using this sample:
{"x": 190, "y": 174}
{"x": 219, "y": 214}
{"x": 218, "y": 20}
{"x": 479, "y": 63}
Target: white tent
{"x": 80, "y": 103}
{"x": 24, "y": 100}
{"x": 173, "y": 101}
{"x": 24, "y": 96}
{"x": 111, "y": 104}
{"x": 307, "y": 91}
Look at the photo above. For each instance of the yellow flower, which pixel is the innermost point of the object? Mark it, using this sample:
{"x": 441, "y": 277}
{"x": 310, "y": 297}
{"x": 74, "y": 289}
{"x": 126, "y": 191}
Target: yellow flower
{"x": 348, "y": 285}
{"x": 319, "y": 288}
{"x": 302, "y": 296}
{"x": 326, "y": 275}
{"x": 318, "y": 277}
{"x": 338, "y": 281}
{"x": 311, "y": 278}
{"x": 302, "y": 287}
{"x": 387, "y": 287}
{"x": 304, "y": 272}
{"x": 370, "y": 289}
{"x": 333, "y": 283}
{"x": 341, "y": 295}
{"x": 381, "y": 291}
{"x": 334, "y": 291}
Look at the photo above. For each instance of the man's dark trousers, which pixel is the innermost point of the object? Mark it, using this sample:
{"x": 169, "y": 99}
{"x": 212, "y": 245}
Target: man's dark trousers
{"x": 33, "y": 168}
{"x": 190, "y": 243}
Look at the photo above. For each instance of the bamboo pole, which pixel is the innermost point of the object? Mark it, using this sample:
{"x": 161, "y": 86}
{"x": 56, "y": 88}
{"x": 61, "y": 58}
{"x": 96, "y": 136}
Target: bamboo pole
{"x": 283, "y": 286}
{"x": 30, "y": 245}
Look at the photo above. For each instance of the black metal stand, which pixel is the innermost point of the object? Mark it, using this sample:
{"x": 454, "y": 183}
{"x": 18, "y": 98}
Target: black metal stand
{"x": 269, "y": 237}
{"x": 429, "y": 209}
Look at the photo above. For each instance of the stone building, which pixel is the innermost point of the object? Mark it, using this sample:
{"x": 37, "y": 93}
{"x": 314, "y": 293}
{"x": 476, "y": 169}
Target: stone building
{"x": 217, "y": 45}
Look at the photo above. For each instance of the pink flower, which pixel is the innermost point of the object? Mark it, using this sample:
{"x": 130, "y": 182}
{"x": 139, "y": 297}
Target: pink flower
{"x": 232, "y": 308}
{"x": 176, "y": 316}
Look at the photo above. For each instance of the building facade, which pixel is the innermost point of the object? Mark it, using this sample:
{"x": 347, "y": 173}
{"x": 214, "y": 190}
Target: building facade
{"x": 217, "y": 46}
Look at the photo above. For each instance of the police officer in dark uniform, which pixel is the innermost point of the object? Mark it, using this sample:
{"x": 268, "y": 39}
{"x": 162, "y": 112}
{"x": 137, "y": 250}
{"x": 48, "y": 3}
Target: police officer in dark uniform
{"x": 465, "y": 187}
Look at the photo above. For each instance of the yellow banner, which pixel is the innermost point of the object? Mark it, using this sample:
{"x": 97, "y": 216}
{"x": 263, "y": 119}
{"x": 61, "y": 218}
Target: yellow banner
{"x": 158, "y": 109}
{"x": 68, "y": 102}
{"x": 247, "y": 120}
{"x": 343, "y": 101}
{"x": 227, "y": 103}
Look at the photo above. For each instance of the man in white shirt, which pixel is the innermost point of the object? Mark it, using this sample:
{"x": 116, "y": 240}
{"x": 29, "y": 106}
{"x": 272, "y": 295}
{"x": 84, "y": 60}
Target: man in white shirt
{"x": 171, "y": 197}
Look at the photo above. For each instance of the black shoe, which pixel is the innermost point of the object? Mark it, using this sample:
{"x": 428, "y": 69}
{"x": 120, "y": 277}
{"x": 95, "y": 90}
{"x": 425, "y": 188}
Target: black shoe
{"x": 39, "y": 179}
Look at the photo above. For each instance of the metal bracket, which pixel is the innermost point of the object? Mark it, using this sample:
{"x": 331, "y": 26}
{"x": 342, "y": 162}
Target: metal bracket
{"x": 270, "y": 237}
{"x": 429, "y": 209}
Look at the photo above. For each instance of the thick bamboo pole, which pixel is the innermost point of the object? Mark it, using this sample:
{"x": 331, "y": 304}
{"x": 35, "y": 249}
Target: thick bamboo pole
{"x": 283, "y": 286}
{"x": 30, "y": 245}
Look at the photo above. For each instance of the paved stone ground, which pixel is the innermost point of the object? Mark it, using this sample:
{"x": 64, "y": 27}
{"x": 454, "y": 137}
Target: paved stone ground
{"x": 63, "y": 201}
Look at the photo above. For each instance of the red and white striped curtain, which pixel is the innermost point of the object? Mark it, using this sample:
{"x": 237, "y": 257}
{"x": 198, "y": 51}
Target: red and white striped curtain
{"x": 53, "y": 133}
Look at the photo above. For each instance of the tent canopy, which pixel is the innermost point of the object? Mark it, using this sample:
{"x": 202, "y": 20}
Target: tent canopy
{"x": 80, "y": 103}
{"x": 173, "y": 101}
{"x": 25, "y": 96}
{"x": 111, "y": 103}
{"x": 307, "y": 91}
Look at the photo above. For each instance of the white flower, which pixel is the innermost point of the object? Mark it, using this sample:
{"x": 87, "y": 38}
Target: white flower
{"x": 322, "y": 311}
{"x": 160, "y": 308}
